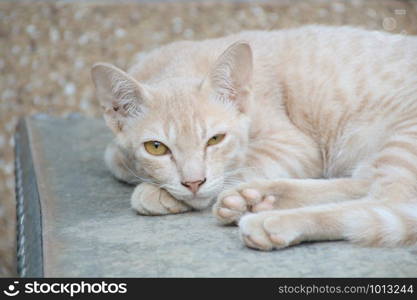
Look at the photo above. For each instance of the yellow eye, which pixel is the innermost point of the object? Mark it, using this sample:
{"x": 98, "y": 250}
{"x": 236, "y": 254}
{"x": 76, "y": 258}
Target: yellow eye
{"x": 215, "y": 139}
{"x": 156, "y": 148}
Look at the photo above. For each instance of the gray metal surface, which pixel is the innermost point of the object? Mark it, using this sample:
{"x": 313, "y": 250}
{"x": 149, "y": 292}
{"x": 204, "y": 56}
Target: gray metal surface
{"x": 90, "y": 230}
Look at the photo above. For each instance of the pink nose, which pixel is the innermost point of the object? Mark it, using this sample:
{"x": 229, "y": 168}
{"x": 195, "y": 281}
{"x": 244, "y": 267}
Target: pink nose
{"x": 193, "y": 186}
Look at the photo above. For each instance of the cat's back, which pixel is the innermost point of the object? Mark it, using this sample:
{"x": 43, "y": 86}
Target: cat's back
{"x": 350, "y": 89}
{"x": 328, "y": 71}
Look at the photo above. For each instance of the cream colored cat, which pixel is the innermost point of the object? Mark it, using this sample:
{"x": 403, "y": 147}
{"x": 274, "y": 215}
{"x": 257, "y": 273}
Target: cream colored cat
{"x": 300, "y": 134}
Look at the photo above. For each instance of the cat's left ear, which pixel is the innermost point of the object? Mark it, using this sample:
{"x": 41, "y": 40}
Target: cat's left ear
{"x": 231, "y": 74}
{"x": 120, "y": 95}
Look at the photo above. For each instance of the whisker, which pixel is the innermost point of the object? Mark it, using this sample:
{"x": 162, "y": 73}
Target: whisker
{"x": 134, "y": 174}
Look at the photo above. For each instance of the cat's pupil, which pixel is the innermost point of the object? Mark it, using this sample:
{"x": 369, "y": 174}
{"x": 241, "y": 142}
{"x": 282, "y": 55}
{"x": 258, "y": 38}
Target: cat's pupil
{"x": 156, "y": 145}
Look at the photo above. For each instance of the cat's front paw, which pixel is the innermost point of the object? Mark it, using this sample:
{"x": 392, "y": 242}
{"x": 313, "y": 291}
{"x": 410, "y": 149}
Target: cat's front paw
{"x": 150, "y": 200}
{"x": 232, "y": 204}
{"x": 269, "y": 230}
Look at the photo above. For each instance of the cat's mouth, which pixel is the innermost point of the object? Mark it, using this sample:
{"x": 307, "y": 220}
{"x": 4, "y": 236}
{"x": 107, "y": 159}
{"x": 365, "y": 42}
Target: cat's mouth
{"x": 198, "y": 201}
{"x": 201, "y": 199}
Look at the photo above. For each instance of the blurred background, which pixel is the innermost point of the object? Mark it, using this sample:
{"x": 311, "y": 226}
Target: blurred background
{"x": 48, "y": 47}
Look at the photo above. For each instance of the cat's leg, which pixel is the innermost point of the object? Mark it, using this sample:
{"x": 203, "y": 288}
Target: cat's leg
{"x": 284, "y": 194}
{"x": 369, "y": 222}
{"x": 120, "y": 163}
{"x": 148, "y": 199}
{"x": 386, "y": 216}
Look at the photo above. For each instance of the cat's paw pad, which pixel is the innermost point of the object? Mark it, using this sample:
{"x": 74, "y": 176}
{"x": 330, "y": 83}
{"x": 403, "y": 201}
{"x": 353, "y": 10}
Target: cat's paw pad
{"x": 267, "y": 231}
{"x": 148, "y": 199}
{"x": 232, "y": 204}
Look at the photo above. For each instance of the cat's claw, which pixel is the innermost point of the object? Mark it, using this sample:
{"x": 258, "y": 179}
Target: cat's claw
{"x": 148, "y": 199}
{"x": 268, "y": 230}
{"x": 231, "y": 205}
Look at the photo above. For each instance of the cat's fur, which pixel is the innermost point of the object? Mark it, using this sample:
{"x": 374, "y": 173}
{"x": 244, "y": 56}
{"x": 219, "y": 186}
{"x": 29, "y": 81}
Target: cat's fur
{"x": 320, "y": 124}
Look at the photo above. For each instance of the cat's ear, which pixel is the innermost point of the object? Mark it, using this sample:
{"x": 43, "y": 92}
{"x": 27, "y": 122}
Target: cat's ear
{"x": 119, "y": 94}
{"x": 231, "y": 75}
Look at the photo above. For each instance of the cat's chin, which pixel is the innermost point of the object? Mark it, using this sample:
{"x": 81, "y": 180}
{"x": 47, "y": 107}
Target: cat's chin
{"x": 199, "y": 203}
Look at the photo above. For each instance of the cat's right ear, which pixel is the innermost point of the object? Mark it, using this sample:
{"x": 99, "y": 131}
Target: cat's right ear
{"x": 231, "y": 75}
{"x": 119, "y": 94}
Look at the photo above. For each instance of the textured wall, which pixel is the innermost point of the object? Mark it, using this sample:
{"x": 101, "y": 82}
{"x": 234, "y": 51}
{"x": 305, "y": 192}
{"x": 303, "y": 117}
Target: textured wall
{"x": 47, "y": 48}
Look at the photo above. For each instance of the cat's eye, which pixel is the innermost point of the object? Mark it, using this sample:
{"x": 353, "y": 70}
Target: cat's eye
{"x": 156, "y": 148}
{"x": 215, "y": 139}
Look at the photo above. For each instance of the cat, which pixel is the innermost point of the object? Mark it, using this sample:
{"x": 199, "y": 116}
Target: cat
{"x": 303, "y": 134}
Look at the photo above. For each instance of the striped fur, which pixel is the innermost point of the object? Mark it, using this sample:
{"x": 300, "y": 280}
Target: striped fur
{"x": 320, "y": 124}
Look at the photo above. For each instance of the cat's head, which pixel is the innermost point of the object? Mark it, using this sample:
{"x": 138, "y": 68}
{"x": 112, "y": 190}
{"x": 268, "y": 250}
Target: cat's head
{"x": 187, "y": 135}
